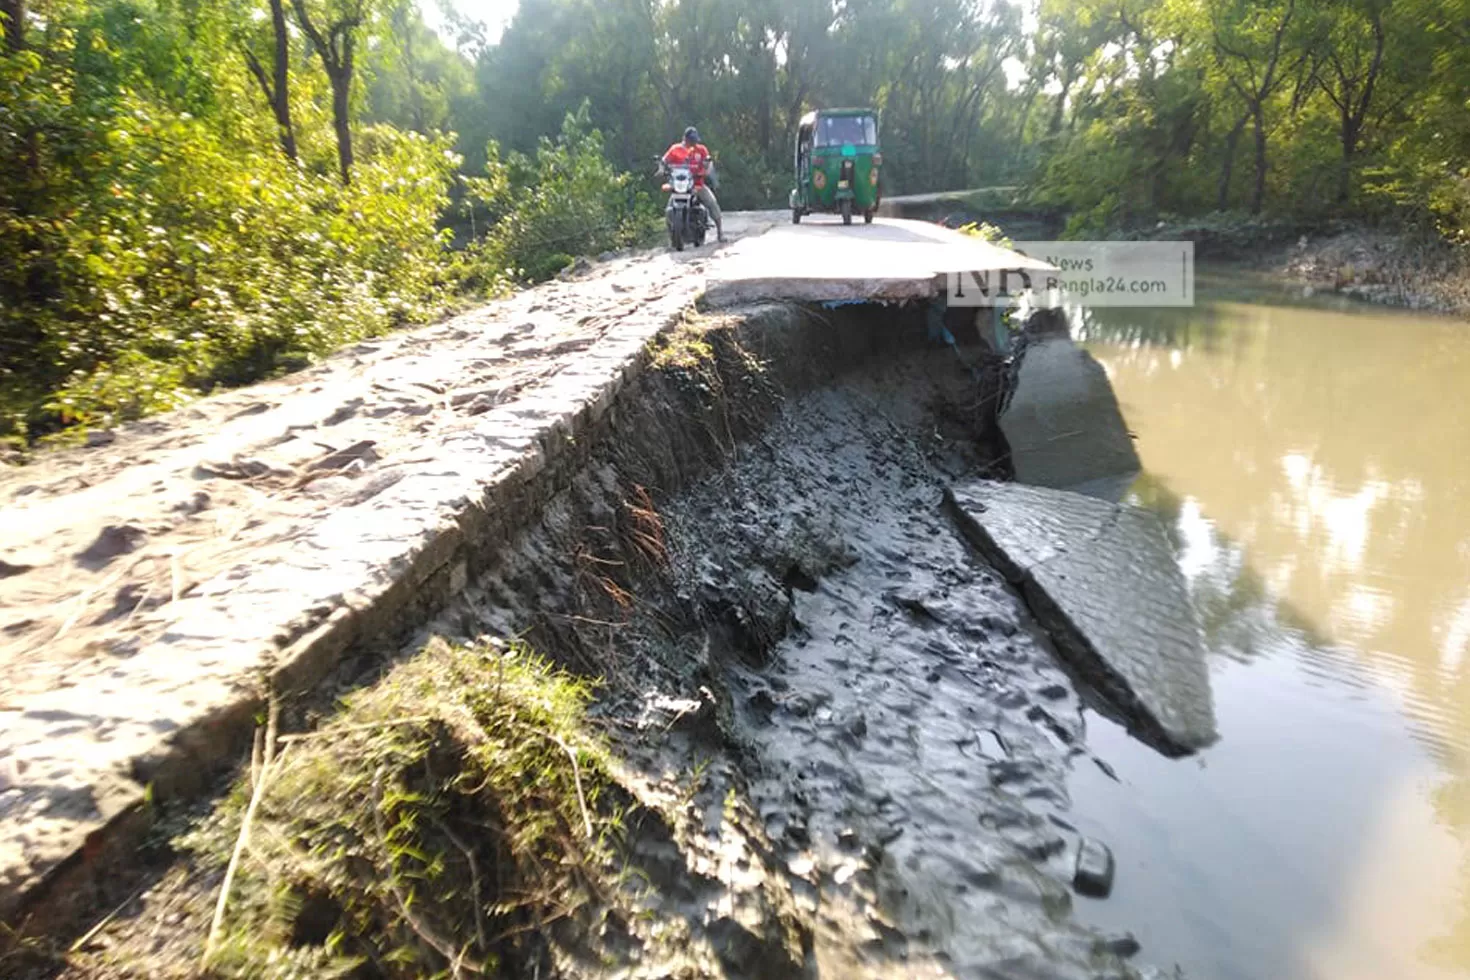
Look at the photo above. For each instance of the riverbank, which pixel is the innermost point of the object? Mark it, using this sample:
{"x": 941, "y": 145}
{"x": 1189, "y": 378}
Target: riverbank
{"x": 724, "y": 530}
{"x": 1376, "y": 264}
{"x": 826, "y": 738}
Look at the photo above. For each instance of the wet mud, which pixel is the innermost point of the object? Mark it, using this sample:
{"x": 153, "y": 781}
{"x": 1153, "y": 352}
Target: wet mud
{"x": 906, "y": 724}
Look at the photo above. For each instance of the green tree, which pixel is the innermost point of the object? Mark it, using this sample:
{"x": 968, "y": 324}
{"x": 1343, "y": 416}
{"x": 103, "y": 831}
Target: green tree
{"x": 275, "y": 83}
{"x": 333, "y": 27}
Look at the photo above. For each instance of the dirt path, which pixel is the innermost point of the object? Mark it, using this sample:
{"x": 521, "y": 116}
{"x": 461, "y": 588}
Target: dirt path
{"x": 147, "y": 580}
{"x": 99, "y": 541}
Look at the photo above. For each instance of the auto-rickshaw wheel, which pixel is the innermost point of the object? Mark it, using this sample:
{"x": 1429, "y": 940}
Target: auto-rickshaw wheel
{"x": 845, "y": 205}
{"x": 868, "y": 217}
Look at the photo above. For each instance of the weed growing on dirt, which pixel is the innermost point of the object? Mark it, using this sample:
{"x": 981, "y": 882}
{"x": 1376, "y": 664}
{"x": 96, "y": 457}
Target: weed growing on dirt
{"x": 684, "y": 347}
{"x": 444, "y": 824}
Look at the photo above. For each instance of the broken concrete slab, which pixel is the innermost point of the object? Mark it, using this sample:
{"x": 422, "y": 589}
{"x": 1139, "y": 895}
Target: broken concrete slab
{"x": 824, "y": 261}
{"x": 1063, "y": 425}
{"x": 1102, "y": 579}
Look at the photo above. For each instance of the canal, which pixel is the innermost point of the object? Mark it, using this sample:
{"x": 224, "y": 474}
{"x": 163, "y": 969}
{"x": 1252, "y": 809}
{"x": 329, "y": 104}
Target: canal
{"x": 1312, "y": 461}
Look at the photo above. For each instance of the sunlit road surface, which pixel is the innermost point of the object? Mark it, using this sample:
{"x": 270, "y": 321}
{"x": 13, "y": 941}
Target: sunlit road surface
{"x": 823, "y": 260}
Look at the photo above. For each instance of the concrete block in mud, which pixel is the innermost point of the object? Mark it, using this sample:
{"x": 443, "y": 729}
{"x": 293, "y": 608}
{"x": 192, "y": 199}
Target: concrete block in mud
{"x": 1063, "y": 425}
{"x": 1093, "y": 875}
{"x": 1103, "y": 581}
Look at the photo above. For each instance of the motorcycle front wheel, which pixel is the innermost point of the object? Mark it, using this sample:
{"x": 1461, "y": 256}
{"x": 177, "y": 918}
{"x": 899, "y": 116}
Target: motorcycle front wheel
{"x": 676, "y": 240}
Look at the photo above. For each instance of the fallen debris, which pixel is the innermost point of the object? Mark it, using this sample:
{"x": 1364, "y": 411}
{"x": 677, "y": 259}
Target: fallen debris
{"x": 1103, "y": 580}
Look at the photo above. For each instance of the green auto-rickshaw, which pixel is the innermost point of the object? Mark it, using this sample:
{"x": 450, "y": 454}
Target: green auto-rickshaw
{"x": 837, "y": 161}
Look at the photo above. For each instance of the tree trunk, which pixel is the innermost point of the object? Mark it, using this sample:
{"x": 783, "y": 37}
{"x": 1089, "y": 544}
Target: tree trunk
{"x": 15, "y": 24}
{"x": 280, "y": 94}
{"x": 1350, "y": 129}
{"x": 1227, "y": 167}
{"x": 1031, "y": 92}
{"x": 1055, "y": 126}
{"x": 335, "y": 48}
{"x": 1258, "y": 195}
{"x": 341, "y": 80}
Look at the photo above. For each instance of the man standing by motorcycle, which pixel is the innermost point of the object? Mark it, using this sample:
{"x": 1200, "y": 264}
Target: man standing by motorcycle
{"x": 695, "y": 155}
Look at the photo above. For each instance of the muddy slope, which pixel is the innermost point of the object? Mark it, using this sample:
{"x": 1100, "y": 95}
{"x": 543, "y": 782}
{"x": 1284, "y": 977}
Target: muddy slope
{"x": 852, "y": 672}
{"x": 845, "y": 743}
{"x": 910, "y": 736}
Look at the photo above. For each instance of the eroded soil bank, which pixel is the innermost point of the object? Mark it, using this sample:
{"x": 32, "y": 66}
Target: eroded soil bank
{"x": 828, "y": 740}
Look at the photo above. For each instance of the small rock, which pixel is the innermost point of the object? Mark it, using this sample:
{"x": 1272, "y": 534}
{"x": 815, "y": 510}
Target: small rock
{"x": 1053, "y": 692}
{"x": 200, "y": 501}
{"x": 112, "y": 541}
{"x": 1094, "y": 874}
{"x": 20, "y": 562}
{"x": 1012, "y": 699}
{"x": 105, "y": 437}
{"x": 1123, "y": 947}
{"x": 912, "y": 602}
{"x": 343, "y": 413}
{"x": 799, "y": 707}
{"x": 1007, "y": 771}
{"x": 1041, "y": 846}
{"x": 858, "y": 727}
{"x": 359, "y": 452}
{"x": 762, "y": 703}
{"x": 847, "y": 839}
{"x": 238, "y": 469}
{"x": 255, "y": 409}
{"x": 890, "y": 835}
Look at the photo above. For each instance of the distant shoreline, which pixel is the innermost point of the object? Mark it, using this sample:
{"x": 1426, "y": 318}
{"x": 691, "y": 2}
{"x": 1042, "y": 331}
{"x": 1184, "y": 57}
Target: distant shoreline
{"x": 1389, "y": 267}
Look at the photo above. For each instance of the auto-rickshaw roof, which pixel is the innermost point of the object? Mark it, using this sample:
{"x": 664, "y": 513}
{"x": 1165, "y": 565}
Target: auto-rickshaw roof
{"x": 810, "y": 119}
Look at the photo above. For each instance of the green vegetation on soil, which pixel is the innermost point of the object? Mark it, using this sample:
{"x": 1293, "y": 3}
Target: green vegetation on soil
{"x": 449, "y": 817}
{"x": 196, "y": 193}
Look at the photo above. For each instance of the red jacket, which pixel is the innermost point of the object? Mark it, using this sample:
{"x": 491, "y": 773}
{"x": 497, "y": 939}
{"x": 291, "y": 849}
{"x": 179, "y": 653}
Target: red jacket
{"x": 696, "y": 157}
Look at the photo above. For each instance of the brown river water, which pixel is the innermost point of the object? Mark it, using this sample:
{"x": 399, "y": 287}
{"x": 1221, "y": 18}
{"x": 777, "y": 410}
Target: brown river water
{"x": 1313, "y": 462}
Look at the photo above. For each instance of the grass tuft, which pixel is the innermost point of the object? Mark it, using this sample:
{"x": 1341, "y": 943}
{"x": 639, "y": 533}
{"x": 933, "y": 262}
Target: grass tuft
{"x": 443, "y": 824}
{"x": 685, "y": 347}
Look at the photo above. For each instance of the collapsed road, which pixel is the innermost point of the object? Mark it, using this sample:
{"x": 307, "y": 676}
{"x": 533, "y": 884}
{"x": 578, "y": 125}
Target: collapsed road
{"x": 887, "y": 711}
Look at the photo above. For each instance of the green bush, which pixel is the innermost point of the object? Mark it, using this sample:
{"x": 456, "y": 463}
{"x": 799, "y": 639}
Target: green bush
{"x": 567, "y": 200}
{"x": 146, "y": 253}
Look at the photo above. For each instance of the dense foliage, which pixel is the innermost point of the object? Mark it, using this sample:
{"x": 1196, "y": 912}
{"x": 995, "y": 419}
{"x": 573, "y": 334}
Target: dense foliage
{"x": 167, "y": 226}
{"x": 202, "y": 192}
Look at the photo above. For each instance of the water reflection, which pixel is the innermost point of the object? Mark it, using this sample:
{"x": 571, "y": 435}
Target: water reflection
{"x": 1312, "y": 466}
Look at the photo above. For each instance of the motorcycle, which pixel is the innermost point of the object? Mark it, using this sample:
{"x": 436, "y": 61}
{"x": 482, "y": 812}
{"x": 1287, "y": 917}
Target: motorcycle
{"x": 685, "y": 214}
